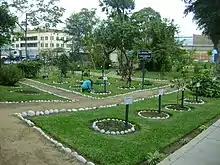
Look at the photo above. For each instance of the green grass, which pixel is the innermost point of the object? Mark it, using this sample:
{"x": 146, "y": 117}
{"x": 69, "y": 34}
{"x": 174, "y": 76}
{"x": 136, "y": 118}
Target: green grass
{"x": 74, "y": 130}
{"x": 10, "y": 94}
{"x": 115, "y": 83}
{"x": 157, "y": 75}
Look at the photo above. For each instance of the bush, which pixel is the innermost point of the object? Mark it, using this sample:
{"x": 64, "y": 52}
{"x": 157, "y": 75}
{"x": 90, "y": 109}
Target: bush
{"x": 63, "y": 64}
{"x": 30, "y": 68}
{"x": 10, "y": 75}
{"x": 209, "y": 87}
{"x": 154, "y": 158}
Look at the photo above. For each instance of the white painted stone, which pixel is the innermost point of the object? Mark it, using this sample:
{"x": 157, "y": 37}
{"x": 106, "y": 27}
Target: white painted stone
{"x": 56, "y": 111}
{"x": 31, "y": 113}
{"x": 81, "y": 109}
{"x": 81, "y": 159}
{"x": 69, "y": 110}
{"x": 113, "y": 133}
{"x": 59, "y": 145}
{"x": 41, "y": 113}
{"x": 37, "y": 113}
{"x": 51, "y": 111}
{"x": 117, "y": 132}
{"x": 74, "y": 154}
{"x": 102, "y": 131}
{"x": 24, "y": 114}
{"x": 74, "y": 110}
{"x": 107, "y": 132}
{"x": 90, "y": 163}
{"x": 46, "y": 112}
{"x": 126, "y": 131}
{"x": 67, "y": 150}
{"x": 122, "y": 132}
{"x": 63, "y": 110}
{"x": 129, "y": 130}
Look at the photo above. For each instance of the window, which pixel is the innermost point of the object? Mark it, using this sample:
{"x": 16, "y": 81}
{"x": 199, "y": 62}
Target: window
{"x": 62, "y": 38}
{"x": 42, "y": 45}
{"x": 57, "y": 38}
{"x": 58, "y": 45}
{"x": 13, "y": 45}
{"x": 33, "y": 38}
{"x": 46, "y": 45}
{"x": 51, "y": 37}
{"x": 17, "y": 45}
{"x": 42, "y": 38}
{"x": 31, "y": 45}
{"x": 51, "y": 45}
{"x": 46, "y": 37}
{"x": 69, "y": 45}
{"x": 62, "y": 45}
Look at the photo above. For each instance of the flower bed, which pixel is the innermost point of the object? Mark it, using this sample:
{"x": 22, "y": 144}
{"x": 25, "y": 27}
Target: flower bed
{"x": 126, "y": 88}
{"x": 27, "y": 92}
{"x": 177, "y": 107}
{"x": 153, "y": 114}
{"x": 193, "y": 101}
{"x": 100, "y": 92}
{"x": 112, "y": 127}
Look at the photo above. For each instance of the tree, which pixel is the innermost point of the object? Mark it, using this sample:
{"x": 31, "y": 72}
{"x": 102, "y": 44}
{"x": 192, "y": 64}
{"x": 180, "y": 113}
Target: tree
{"x": 119, "y": 12}
{"x": 63, "y": 65}
{"x": 39, "y": 12}
{"x": 7, "y": 25}
{"x": 80, "y": 27}
{"x": 206, "y": 15}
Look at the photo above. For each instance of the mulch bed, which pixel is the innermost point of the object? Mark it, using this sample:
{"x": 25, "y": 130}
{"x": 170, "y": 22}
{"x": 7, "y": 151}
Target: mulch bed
{"x": 177, "y": 107}
{"x": 111, "y": 125}
{"x": 149, "y": 113}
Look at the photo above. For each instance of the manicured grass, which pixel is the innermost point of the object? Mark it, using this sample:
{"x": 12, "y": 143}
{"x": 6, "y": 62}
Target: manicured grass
{"x": 74, "y": 130}
{"x": 157, "y": 75}
{"x": 10, "y": 94}
{"x": 113, "y": 87}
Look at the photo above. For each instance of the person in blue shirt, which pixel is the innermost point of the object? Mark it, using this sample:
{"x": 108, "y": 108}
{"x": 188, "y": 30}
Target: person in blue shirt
{"x": 87, "y": 85}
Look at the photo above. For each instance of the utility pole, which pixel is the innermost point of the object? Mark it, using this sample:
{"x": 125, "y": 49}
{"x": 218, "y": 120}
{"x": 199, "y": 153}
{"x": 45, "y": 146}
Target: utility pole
{"x": 26, "y": 52}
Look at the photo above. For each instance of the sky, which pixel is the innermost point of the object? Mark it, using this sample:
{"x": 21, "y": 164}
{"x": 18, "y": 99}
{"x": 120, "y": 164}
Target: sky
{"x": 172, "y": 9}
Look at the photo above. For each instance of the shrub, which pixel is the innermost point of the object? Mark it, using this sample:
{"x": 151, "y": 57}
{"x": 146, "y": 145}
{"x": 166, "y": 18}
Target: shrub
{"x": 30, "y": 68}
{"x": 154, "y": 158}
{"x": 63, "y": 64}
{"x": 10, "y": 75}
{"x": 209, "y": 87}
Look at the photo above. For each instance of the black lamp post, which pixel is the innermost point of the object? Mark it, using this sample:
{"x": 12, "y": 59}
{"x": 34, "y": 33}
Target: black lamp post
{"x": 197, "y": 91}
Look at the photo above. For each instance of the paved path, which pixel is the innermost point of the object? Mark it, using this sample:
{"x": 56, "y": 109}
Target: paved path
{"x": 202, "y": 150}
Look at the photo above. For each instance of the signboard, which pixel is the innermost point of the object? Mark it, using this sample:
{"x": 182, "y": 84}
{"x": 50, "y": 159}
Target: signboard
{"x": 128, "y": 100}
{"x": 105, "y": 78}
{"x": 160, "y": 92}
{"x": 144, "y": 54}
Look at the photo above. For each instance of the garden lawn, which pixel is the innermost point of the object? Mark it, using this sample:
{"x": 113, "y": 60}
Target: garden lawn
{"x": 157, "y": 75}
{"x": 113, "y": 87}
{"x": 73, "y": 129}
{"x": 10, "y": 94}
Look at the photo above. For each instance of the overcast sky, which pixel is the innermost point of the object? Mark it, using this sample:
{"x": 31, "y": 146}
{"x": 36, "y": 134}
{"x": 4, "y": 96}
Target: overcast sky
{"x": 172, "y": 9}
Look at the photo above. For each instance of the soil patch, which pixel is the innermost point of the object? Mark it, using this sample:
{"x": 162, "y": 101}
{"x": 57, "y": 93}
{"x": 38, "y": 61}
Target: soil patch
{"x": 151, "y": 113}
{"x": 177, "y": 107}
{"x": 113, "y": 125}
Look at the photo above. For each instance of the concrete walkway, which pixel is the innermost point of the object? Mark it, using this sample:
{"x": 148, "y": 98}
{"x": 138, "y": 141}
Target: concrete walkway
{"x": 202, "y": 150}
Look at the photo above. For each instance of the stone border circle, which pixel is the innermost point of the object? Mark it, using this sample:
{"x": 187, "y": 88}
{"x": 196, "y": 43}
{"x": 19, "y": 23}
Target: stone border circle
{"x": 60, "y": 83}
{"x": 96, "y": 128}
{"x": 199, "y": 103}
{"x": 108, "y": 92}
{"x": 133, "y": 87}
{"x": 166, "y": 107}
{"x": 154, "y": 118}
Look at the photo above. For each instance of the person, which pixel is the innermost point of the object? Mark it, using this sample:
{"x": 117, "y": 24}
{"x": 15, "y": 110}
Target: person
{"x": 87, "y": 85}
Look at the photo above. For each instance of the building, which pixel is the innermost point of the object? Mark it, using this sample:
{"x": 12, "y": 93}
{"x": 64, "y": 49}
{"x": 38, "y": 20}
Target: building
{"x": 40, "y": 39}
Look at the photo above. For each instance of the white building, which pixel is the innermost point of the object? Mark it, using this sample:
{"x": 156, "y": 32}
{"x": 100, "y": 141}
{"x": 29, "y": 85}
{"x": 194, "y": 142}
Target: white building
{"x": 38, "y": 40}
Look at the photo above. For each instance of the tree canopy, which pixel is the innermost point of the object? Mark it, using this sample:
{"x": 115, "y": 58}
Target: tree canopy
{"x": 7, "y": 24}
{"x": 207, "y": 16}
